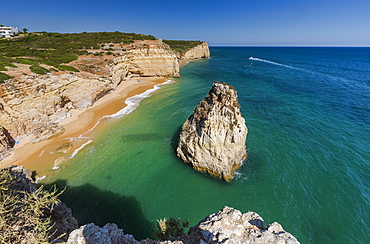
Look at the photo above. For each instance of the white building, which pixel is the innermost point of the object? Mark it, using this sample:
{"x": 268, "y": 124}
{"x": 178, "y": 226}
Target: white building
{"x": 7, "y": 31}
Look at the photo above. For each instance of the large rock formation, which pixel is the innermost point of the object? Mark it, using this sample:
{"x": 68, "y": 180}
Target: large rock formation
{"x": 213, "y": 137}
{"x": 227, "y": 226}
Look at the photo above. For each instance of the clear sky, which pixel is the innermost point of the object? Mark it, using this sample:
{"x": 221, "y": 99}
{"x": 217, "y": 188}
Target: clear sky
{"x": 233, "y": 22}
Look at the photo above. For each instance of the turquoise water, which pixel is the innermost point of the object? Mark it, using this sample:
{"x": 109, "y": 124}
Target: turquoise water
{"x": 308, "y": 115}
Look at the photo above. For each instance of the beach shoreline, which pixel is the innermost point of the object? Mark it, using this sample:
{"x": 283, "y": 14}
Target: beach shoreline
{"x": 28, "y": 154}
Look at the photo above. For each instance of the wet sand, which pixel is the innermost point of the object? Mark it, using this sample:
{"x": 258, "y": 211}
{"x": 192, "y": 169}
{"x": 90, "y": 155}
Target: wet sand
{"x": 41, "y": 157}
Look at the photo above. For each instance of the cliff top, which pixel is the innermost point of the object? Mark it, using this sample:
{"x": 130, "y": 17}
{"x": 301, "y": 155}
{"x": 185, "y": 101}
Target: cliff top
{"x": 45, "y": 52}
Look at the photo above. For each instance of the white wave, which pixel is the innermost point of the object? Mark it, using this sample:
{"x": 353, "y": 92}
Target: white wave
{"x": 270, "y": 62}
{"x": 134, "y": 101}
{"x": 80, "y": 148}
{"x": 42, "y": 153}
{"x": 38, "y": 179}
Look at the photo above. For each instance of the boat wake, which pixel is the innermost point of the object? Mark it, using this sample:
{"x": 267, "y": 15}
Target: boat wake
{"x": 343, "y": 80}
{"x": 278, "y": 64}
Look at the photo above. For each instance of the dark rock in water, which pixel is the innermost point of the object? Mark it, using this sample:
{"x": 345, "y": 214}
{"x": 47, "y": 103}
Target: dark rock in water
{"x": 213, "y": 137}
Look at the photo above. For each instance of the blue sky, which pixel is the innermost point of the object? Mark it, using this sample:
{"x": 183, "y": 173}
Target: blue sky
{"x": 239, "y": 22}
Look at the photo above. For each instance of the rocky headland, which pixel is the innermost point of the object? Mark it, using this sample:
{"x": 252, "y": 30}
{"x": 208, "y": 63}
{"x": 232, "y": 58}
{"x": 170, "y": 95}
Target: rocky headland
{"x": 228, "y": 225}
{"x": 213, "y": 137}
{"x": 32, "y": 105}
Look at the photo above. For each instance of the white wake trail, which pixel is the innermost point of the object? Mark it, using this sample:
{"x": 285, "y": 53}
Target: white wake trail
{"x": 271, "y": 62}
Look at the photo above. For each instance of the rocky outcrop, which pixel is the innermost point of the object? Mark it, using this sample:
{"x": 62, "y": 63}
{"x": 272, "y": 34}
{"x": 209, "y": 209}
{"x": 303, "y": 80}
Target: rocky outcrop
{"x": 6, "y": 143}
{"x": 109, "y": 234}
{"x": 231, "y": 226}
{"x": 197, "y": 52}
{"x": 147, "y": 58}
{"x": 227, "y": 226}
{"x": 213, "y": 137}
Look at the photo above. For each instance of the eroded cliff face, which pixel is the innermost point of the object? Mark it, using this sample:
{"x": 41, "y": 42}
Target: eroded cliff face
{"x": 213, "y": 137}
{"x": 200, "y": 51}
{"x": 33, "y": 105}
{"x": 147, "y": 58}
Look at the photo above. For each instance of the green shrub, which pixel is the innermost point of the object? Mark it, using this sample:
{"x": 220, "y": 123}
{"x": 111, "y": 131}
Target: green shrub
{"x": 26, "y": 61}
{"x": 182, "y": 46}
{"x": 4, "y": 77}
{"x": 38, "y": 69}
{"x": 170, "y": 228}
{"x": 68, "y": 68}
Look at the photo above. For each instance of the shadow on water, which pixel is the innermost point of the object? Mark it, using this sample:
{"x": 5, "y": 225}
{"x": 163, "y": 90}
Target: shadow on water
{"x": 89, "y": 204}
{"x": 175, "y": 139}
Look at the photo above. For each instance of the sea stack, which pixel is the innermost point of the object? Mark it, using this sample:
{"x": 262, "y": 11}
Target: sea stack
{"x": 213, "y": 137}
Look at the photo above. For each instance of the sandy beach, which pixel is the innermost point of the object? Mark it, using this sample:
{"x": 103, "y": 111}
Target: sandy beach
{"x": 41, "y": 157}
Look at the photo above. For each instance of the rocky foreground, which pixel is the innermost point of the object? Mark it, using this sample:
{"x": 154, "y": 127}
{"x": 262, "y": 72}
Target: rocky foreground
{"x": 227, "y": 226}
{"x": 213, "y": 137}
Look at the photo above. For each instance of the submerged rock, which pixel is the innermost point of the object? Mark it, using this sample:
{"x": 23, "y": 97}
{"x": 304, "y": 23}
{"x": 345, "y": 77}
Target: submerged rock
{"x": 213, "y": 137}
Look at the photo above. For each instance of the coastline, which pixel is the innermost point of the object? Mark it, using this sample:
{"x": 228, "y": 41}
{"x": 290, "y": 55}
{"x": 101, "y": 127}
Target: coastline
{"x": 40, "y": 156}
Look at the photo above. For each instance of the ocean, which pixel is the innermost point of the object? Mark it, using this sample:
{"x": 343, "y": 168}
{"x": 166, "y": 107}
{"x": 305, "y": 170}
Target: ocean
{"x": 308, "y": 167}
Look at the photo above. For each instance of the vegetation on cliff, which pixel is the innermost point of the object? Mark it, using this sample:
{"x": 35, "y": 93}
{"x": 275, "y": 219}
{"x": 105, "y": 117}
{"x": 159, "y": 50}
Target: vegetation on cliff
{"x": 55, "y": 49}
{"x": 24, "y": 212}
{"x": 182, "y": 46}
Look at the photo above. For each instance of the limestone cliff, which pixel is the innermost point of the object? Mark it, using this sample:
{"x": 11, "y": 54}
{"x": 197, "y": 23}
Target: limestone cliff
{"x": 213, "y": 137}
{"x": 149, "y": 58}
{"x": 33, "y": 105}
{"x": 227, "y": 226}
{"x": 197, "y": 52}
